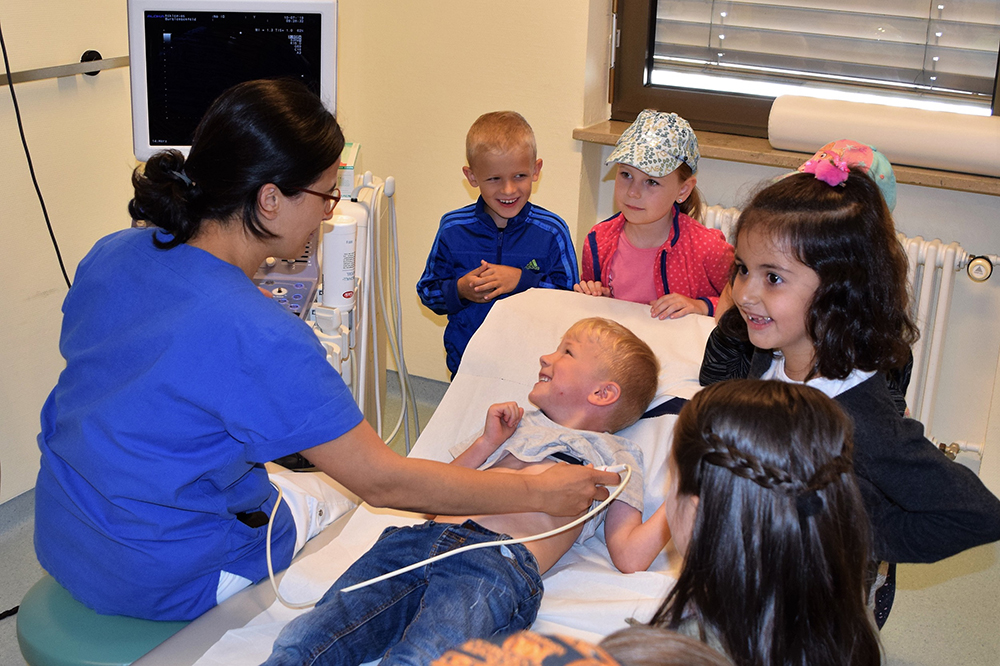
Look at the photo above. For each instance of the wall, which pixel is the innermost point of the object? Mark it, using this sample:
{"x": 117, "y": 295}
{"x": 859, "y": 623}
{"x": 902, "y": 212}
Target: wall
{"x": 79, "y": 133}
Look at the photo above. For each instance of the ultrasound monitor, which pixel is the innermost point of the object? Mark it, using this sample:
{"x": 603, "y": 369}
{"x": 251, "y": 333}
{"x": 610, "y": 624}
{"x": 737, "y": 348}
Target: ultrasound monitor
{"x": 184, "y": 53}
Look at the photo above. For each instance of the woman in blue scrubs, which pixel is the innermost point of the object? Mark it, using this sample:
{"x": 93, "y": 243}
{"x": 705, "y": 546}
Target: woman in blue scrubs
{"x": 182, "y": 379}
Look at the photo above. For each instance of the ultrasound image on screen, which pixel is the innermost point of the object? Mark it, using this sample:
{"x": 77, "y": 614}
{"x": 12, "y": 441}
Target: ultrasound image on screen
{"x": 192, "y": 57}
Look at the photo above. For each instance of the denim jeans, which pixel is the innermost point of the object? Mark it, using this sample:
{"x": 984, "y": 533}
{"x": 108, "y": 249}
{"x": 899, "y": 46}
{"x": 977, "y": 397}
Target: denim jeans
{"x": 415, "y": 617}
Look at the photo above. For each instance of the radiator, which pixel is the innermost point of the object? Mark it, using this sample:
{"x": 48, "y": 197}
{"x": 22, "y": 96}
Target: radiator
{"x": 724, "y": 219}
{"x": 932, "y": 268}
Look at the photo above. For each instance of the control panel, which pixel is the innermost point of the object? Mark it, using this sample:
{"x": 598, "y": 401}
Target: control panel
{"x": 292, "y": 282}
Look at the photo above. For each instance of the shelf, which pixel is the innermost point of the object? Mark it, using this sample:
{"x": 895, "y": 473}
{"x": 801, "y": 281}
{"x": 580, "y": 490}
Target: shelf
{"x": 751, "y": 150}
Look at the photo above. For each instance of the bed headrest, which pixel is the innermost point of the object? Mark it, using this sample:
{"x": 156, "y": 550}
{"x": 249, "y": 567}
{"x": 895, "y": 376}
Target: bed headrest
{"x": 521, "y": 328}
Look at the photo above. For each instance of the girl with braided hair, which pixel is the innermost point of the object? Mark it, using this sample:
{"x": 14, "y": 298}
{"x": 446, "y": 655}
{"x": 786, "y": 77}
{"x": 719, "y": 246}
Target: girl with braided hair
{"x": 765, "y": 509}
{"x": 820, "y": 297}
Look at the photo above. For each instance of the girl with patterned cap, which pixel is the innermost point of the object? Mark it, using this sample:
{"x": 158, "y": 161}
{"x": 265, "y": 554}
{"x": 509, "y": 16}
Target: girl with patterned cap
{"x": 654, "y": 251}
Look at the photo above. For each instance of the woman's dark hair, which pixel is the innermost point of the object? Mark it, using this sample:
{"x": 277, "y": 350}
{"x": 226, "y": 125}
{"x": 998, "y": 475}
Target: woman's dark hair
{"x": 859, "y": 317}
{"x": 258, "y": 132}
{"x": 776, "y": 563}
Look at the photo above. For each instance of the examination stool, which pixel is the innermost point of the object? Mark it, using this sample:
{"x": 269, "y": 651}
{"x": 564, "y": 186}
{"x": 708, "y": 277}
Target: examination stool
{"x": 54, "y": 629}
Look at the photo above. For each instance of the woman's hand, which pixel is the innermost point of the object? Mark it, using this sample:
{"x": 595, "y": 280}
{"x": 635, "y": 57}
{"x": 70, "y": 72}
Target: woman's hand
{"x": 674, "y": 306}
{"x": 569, "y": 490}
{"x": 591, "y": 288}
{"x": 362, "y": 462}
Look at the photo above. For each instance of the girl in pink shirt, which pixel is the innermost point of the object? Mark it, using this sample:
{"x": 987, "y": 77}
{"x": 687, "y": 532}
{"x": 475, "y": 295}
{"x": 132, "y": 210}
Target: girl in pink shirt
{"x": 653, "y": 251}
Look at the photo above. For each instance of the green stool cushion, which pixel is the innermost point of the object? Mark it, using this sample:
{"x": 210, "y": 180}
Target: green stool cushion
{"x": 54, "y": 629}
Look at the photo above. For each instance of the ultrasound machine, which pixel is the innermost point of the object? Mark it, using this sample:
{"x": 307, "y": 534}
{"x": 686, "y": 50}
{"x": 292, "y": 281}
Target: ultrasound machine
{"x": 183, "y": 54}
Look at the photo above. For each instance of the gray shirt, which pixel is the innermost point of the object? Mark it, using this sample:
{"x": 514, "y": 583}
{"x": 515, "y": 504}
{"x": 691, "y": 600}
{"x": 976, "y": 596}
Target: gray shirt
{"x": 537, "y": 437}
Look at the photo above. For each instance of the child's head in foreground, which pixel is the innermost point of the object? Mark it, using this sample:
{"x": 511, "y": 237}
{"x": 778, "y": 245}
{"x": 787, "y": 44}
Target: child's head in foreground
{"x": 657, "y": 159}
{"x": 772, "y": 525}
{"x": 500, "y": 149}
{"x": 820, "y": 275}
{"x": 602, "y": 377}
{"x": 643, "y": 645}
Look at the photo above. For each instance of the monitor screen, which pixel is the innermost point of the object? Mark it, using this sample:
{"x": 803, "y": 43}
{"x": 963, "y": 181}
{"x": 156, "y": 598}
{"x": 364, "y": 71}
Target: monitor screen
{"x": 184, "y": 53}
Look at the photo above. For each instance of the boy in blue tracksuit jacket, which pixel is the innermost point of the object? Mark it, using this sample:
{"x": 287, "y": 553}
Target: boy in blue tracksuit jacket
{"x": 502, "y": 244}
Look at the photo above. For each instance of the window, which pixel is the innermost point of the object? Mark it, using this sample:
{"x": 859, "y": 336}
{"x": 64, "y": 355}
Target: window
{"x": 721, "y": 63}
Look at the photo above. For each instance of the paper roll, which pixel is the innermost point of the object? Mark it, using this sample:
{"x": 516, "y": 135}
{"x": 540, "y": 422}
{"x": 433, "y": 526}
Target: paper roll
{"x": 915, "y": 137}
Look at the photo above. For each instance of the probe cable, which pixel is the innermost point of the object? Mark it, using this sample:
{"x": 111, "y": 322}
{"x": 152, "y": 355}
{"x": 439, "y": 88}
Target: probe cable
{"x": 502, "y": 542}
{"x": 27, "y": 155}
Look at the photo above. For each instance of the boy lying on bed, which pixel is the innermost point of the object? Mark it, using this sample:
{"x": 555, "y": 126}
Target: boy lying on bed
{"x": 600, "y": 380}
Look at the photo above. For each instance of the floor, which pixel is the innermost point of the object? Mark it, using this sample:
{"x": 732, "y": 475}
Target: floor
{"x": 944, "y": 613}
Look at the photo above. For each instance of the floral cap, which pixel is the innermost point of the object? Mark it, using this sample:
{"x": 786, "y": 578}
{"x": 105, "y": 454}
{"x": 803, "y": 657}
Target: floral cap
{"x": 844, "y": 153}
{"x": 656, "y": 144}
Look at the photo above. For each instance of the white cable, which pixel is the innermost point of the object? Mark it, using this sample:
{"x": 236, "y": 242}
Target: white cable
{"x": 393, "y": 312}
{"x": 270, "y": 566}
{"x": 371, "y": 325}
{"x": 373, "y": 286}
{"x": 376, "y": 284}
{"x": 502, "y": 542}
{"x": 392, "y": 331}
{"x": 399, "y": 318}
{"x": 375, "y": 365}
{"x": 358, "y": 387}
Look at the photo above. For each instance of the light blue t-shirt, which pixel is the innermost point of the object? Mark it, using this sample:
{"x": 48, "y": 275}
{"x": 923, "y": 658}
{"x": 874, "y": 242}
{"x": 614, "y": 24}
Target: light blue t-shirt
{"x": 181, "y": 380}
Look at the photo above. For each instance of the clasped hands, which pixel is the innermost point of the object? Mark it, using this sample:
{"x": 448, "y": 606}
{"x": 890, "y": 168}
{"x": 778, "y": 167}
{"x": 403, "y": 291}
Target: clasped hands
{"x": 488, "y": 281}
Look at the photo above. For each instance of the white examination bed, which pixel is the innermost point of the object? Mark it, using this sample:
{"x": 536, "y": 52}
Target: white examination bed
{"x": 585, "y": 595}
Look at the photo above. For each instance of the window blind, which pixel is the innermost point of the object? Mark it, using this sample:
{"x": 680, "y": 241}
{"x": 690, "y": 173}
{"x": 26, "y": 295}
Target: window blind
{"x": 932, "y": 48}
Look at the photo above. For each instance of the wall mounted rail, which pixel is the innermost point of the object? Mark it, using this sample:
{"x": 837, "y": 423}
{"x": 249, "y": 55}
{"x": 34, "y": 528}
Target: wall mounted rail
{"x": 91, "y": 64}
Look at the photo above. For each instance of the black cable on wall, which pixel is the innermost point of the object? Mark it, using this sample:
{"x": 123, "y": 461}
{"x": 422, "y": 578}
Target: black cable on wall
{"x": 27, "y": 154}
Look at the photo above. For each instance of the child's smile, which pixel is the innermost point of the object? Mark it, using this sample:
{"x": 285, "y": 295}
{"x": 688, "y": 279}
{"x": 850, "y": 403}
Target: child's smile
{"x": 773, "y": 291}
{"x": 504, "y": 180}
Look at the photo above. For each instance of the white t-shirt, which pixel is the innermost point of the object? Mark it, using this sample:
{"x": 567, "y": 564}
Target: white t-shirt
{"x": 831, "y": 387}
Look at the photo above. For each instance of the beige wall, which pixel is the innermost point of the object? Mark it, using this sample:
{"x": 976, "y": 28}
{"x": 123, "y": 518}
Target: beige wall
{"x": 79, "y": 133}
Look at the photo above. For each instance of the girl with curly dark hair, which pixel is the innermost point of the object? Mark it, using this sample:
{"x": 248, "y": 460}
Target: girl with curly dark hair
{"x": 820, "y": 297}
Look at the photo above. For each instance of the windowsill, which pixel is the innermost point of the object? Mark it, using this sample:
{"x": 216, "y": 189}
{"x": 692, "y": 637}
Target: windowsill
{"x": 751, "y": 150}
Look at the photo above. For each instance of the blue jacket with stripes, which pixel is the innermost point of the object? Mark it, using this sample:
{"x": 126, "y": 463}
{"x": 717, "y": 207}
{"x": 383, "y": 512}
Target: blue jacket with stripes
{"x": 536, "y": 241}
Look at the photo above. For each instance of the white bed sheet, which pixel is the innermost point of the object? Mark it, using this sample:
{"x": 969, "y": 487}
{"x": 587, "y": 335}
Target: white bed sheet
{"x": 585, "y": 596}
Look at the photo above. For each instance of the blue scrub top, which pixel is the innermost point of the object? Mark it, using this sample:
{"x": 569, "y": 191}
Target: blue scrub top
{"x": 181, "y": 380}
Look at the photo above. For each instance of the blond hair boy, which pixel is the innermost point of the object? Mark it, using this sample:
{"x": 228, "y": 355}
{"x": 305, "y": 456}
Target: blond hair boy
{"x": 600, "y": 377}
{"x": 500, "y": 245}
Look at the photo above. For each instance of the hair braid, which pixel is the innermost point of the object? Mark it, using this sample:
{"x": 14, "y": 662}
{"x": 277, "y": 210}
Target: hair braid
{"x": 746, "y": 465}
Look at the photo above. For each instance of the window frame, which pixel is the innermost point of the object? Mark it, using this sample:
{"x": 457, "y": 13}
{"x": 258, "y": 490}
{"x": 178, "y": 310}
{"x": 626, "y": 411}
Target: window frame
{"x": 726, "y": 113}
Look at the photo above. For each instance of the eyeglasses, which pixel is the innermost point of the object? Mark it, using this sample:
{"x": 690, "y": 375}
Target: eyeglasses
{"x": 331, "y": 199}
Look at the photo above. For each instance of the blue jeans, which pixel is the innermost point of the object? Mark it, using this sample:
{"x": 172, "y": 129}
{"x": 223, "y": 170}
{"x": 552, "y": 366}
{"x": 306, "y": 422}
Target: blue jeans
{"x": 415, "y": 617}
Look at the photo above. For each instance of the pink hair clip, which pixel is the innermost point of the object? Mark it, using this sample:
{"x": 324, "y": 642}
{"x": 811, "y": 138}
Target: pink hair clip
{"x": 833, "y": 171}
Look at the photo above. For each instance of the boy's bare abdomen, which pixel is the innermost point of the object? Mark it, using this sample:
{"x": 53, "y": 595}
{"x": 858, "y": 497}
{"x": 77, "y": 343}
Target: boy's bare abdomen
{"x": 517, "y": 525}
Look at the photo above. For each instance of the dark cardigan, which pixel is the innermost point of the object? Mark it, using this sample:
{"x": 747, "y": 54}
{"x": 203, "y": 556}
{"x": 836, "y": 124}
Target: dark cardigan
{"x": 923, "y": 507}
